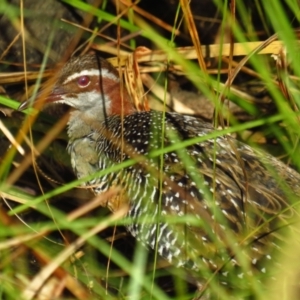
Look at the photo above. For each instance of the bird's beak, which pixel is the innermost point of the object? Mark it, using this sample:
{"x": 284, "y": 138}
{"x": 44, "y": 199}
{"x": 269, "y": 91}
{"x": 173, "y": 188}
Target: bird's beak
{"x": 43, "y": 98}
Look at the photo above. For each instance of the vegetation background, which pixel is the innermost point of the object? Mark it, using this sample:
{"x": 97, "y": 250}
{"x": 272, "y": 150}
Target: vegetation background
{"x": 195, "y": 57}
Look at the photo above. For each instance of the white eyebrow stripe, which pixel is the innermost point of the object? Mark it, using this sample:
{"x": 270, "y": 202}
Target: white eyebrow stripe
{"x": 92, "y": 72}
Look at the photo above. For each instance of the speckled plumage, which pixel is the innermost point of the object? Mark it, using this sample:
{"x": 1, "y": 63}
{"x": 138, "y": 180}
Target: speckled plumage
{"x": 187, "y": 188}
{"x": 230, "y": 191}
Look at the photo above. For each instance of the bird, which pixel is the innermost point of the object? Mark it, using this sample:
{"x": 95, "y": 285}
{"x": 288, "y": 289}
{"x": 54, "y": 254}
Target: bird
{"x": 204, "y": 201}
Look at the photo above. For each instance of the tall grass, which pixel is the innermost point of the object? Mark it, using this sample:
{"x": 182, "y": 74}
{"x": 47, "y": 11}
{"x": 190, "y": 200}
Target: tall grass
{"x": 50, "y": 246}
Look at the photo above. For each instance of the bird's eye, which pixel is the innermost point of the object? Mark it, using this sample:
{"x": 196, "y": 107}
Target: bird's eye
{"x": 83, "y": 81}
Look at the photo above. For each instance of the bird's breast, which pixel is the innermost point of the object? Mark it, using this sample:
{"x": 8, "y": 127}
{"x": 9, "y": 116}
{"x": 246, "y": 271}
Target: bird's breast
{"x": 84, "y": 158}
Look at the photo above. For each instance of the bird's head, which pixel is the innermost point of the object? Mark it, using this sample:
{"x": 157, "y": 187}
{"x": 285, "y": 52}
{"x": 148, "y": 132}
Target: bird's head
{"x": 90, "y": 84}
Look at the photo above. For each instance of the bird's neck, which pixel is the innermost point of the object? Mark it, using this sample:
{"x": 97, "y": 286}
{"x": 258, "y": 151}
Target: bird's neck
{"x": 113, "y": 102}
{"x": 81, "y": 124}
{"x": 120, "y": 102}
